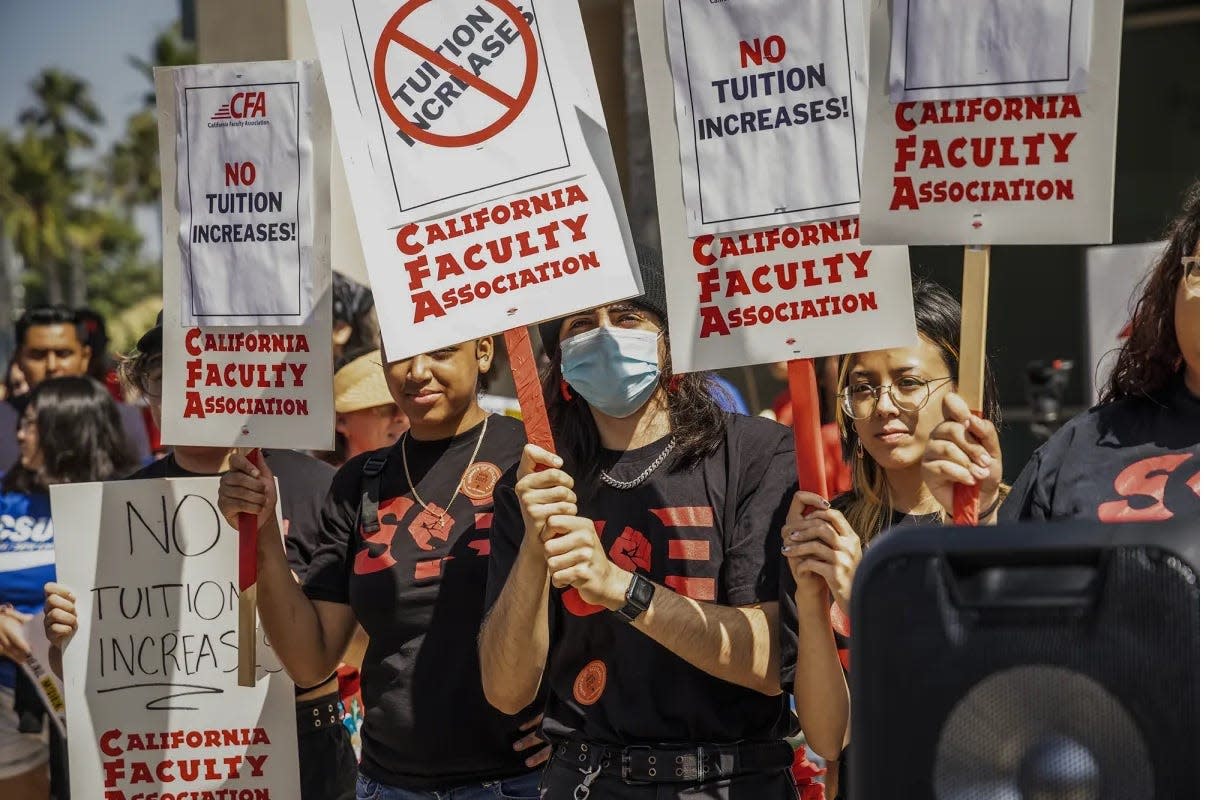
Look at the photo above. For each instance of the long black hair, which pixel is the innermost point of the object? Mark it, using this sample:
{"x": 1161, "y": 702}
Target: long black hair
{"x": 937, "y": 315}
{"x": 697, "y": 421}
{"x": 80, "y": 436}
{"x": 1150, "y": 358}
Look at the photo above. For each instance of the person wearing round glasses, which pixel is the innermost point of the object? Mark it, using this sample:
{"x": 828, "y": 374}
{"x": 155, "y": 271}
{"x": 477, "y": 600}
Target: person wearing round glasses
{"x": 1135, "y": 457}
{"x": 890, "y": 401}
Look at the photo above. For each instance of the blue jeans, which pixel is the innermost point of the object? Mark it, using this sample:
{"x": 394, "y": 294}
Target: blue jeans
{"x": 522, "y": 787}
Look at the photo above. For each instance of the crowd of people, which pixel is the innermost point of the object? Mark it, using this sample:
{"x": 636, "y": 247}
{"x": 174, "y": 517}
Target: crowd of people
{"x": 652, "y": 611}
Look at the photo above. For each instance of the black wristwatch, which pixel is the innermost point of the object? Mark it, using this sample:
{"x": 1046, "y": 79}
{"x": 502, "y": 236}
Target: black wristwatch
{"x": 637, "y": 598}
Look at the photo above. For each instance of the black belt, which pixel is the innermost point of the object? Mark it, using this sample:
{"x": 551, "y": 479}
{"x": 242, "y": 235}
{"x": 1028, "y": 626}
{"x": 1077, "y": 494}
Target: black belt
{"x": 670, "y": 763}
{"x": 318, "y": 714}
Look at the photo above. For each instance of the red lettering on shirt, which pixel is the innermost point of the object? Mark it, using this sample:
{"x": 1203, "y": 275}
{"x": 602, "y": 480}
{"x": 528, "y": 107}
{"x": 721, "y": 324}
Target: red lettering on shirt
{"x": 378, "y": 555}
{"x": 695, "y": 588}
{"x": 1145, "y": 480}
{"x": 685, "y": 516}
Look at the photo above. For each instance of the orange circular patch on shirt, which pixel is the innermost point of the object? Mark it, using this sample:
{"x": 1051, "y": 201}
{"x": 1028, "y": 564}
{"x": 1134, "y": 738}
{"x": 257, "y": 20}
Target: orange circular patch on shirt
{"x": 479, "y": 481}
{"x": 590, "y": 683}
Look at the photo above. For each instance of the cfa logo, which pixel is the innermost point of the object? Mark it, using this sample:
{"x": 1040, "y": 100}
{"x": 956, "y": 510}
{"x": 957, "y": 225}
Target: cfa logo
{"x": 243, "y": 105}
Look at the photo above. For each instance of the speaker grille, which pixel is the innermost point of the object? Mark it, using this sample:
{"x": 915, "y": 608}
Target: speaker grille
{"x": 1041, "y": 733}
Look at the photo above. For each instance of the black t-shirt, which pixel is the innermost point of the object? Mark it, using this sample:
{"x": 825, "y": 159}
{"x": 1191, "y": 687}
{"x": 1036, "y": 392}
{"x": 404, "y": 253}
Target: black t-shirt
{"x": 417, "y": 589}
{"x": 302, "y": 481}
{"x": 1133, "y": 460}
{"x": 710, "y": 533}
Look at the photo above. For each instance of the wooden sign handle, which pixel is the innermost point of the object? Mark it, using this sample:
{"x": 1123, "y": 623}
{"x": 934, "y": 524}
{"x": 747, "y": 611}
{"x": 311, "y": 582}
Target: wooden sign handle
{"x": 971, "y": 375}
{"x": 529, "y": 388}
{"x": 247, "y": 590}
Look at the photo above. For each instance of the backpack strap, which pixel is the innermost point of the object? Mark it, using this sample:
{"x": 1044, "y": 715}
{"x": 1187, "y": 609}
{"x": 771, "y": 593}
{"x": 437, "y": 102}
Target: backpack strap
{"x": 369, "y": 502}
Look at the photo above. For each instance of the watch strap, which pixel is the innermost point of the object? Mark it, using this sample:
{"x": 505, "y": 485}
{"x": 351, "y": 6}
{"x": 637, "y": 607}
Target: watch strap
{"x": 637, "y": 598}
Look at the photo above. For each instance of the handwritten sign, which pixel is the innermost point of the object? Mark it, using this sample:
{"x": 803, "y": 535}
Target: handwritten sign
{"x": 149, "y": 676}
{"x": 266, "y": 385}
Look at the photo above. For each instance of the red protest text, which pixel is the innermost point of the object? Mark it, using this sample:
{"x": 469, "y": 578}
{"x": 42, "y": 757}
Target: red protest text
{"x": 1050, "y": 151}
{"x": 555, "y": 245}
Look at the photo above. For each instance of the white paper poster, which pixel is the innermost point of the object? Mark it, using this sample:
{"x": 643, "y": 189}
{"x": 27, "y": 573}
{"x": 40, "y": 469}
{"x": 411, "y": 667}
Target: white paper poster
{"x": 767, "y": 94}
{"x": 951, "y": 49}
{"x": 149, "y": 676}
{"x": 793, "y": 291}
{"x": 479, "y": 164}
{"x": 257, "y": 385}
{"x": 1112, "y": 276}
{"x": 244, "y": 159}
{"x": 1017, "y": 170}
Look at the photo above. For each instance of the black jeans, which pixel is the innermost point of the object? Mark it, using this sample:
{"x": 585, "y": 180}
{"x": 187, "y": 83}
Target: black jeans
{"x": 561, "y": 779}
{"x": 328, "y": 769}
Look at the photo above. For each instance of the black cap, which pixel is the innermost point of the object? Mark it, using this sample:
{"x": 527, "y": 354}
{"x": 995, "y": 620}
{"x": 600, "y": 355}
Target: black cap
{"x": 654, "y": 298}
{"x": 150, "y": 342}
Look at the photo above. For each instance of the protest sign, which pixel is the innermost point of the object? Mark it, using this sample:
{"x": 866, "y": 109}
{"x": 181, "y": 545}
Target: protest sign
{"x": 267, "y": 385}
{"x": 777, "y": 294}
{"x": 1021, "y": 170}
{"x": 153, "y": 709}
{"x": 952, "y": 49}
{"x": 765, "y": 94}
{"x": 479, "y": 164}
{"x": 245, "y": 192}
{"x": 1112, "y": 276}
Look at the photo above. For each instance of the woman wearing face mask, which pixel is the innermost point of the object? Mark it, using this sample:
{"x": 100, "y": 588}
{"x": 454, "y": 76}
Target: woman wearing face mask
{"x": 1133, "y": 458}
{"x": 636, "y": 576}
{"x": 890, "y": 401}
{"x": 404, "y": 554}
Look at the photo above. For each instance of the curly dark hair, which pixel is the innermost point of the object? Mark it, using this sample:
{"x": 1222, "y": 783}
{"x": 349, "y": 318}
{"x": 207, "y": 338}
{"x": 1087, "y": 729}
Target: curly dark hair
{"x": 697, "y": 421}
{"x": 1150, "y": 358}
{"x": 80, "y": 436}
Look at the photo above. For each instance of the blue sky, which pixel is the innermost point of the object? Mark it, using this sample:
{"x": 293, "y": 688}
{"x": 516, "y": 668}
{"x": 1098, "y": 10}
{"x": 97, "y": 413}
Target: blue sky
{"x": 91, "y": 38}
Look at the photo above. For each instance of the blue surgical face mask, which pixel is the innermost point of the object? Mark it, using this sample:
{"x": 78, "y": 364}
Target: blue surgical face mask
{"x": 614, "y": 369}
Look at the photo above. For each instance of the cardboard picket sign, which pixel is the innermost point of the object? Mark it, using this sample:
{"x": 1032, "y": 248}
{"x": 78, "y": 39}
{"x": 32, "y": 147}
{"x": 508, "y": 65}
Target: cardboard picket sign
{"x": 258, "y": 385}
{"x": 479, "y": 164}
{"x": 149, "y": 684}
{"x": 1020, "y": 170}
{"x": 765, "y": 93}
{"x": 791, "y": 292}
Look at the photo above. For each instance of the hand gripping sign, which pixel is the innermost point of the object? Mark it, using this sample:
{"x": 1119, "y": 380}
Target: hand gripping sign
{"x": 478, "y": 161}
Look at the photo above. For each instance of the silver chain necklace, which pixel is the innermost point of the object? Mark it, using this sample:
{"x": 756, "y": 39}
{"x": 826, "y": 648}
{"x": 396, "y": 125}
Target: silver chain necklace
{"x": 639, "y": 479}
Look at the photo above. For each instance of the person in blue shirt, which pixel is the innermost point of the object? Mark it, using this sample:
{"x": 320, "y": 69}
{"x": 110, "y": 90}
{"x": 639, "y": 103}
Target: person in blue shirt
{"x": 69, "y": 432}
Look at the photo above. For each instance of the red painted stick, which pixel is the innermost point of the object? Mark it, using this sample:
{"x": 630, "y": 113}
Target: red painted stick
{"x": 809, "y": 449}
{"x": 247, "y": 537}
{"x": 529, "y": 388}
{"x": 246, "y": 674}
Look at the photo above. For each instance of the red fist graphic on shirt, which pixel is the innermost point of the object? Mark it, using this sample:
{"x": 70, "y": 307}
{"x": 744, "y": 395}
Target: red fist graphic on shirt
{"x": 632, "y": 550}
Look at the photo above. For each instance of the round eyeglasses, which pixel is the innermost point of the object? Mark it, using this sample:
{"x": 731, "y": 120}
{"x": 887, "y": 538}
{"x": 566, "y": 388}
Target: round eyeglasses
{"x": 907, "y": 393}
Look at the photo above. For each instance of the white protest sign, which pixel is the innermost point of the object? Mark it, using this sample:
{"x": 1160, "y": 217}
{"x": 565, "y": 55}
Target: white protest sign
{"x": 770, "y": 99}
{"x": 256, "y": 386}
{"x": 478, "y": 161}
{"x": 153, "y": 707}
{"x": 1112, "y": 275}
{"x": 1021, "y": 170}
{"x": 781, "y": 293}
{"x": 245, "y": 192}
{"x": 951, "y": 49}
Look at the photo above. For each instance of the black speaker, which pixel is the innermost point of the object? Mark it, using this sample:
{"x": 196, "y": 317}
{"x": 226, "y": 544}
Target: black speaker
{"x": 1027, "y": 662}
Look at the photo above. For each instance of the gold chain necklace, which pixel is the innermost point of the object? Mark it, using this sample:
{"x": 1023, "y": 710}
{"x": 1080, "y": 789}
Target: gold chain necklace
{"x": 439, "y": 523}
